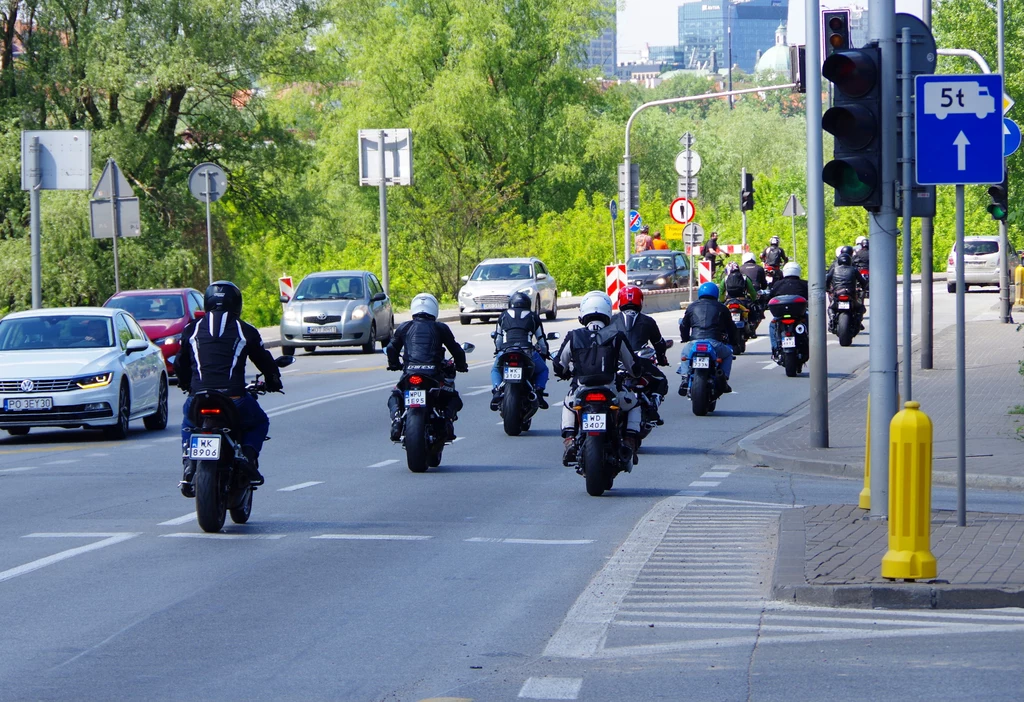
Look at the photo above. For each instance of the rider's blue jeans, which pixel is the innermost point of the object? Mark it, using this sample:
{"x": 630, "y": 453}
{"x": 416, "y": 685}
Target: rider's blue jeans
{"x": 255, "y": 422}
{"x": 540, "y": 372}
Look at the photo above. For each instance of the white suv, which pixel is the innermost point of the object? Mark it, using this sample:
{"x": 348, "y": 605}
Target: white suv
{"x": 981, "y": 263}
{"x": 487, "y": 290}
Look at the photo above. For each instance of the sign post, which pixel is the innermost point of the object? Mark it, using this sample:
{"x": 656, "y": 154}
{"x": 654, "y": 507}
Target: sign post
{"x": 114, "y": 211}
{"x": 391, "y": 165}
{"x": 693, "y": 235}
{"x": 208, "y": 182}
{"x": 613, "y": 209}
{"x": 793, "y": 210}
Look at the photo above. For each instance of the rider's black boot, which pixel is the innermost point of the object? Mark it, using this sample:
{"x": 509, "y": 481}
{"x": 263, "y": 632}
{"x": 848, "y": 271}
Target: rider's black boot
{"x": 252, "y": 465}
{"x": 188, "y": 471}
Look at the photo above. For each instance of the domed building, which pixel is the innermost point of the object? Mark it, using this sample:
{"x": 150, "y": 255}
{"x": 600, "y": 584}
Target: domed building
{"x": 776, "y": 59}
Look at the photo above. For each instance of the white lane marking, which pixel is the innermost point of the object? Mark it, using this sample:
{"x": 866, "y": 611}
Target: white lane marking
{"x": 61, "y": 462}
{"x": 293, "y": 488}
{"x": 108, "y": 539}
{"x": 237, "y": 537}
{"x": 183, "y": 519}
{"x": 137, "y": 447}
{"x": 313, "y": 402}
{"x": 551, "y": 688}
{"x": 770, "y": 365}
{"x": 691, "y": 493}
{"x": 724, "y": 467}
{"x": 17, "y": 470}
{"x": 290, "y": 370}
{"x": 477, "y": 392}
{"x": 96, "y": 455}
{"x": 832, "y": 343}
{"x": 384, "y": 463}
{"x": 548, "y": 542}
{"x": 458, "y": 439}
{"x": 374, "y": 537}
{"x": 705, "y": 483}
{"x": 715, "y": 474}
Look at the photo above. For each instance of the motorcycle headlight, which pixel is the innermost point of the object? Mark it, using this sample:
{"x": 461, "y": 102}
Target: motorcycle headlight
{"x": 291, "y": 314}
{"x": 100, "y": 380}
{"x": 358, "y": 313}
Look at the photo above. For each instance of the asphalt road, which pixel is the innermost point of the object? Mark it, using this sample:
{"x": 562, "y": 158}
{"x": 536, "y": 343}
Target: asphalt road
{"x": 493, "y": 577}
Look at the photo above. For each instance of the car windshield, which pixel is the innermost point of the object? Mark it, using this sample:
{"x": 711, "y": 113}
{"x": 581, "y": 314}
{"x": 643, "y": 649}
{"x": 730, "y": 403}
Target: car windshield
{"x": 327, "y": 287}
{"x": 649, "y": 263}
{"x": 55, "y": 332}
{"x": 503, "y": 271}
{"x": 145, "y": 307}
{"x": 980, "y": 248}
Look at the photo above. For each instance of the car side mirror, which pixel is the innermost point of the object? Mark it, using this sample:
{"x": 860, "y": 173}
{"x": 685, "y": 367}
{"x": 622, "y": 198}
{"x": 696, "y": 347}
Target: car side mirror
{"x": 284, "y": 361}
{"x": 284, "y": 299}
{"x": 378, "y": 297}
{"x": 464, "y": 279}
{"x": 551, "y": 336}
{"x": 468, "y": 347}
{"x": 136, "y": 345}
{"x": 542, "y": 276}
{"x": 199, "y": 314}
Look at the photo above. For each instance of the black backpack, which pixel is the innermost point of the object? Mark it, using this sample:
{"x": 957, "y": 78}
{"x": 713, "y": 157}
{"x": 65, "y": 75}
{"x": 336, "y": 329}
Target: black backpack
{"x": 773, "y": 256}
{"x": 736, "y": 284}
{"x": 595, "y": 357}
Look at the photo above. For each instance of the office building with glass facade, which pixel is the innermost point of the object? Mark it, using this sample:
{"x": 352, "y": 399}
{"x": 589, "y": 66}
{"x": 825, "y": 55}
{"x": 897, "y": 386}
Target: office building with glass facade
{"x": 704, "y": 28}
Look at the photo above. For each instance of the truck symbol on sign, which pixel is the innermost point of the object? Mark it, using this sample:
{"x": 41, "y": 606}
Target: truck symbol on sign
{"x": 957, "y": 98}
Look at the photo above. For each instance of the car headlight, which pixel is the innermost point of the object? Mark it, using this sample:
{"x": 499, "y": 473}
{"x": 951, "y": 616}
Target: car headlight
{"x": 660, "y": 281}
{"x": 100, "y": 380}
{"x": 358, "y": 313}
{"x": 465, "y": 293}
{"x": 168, "y": 340}
{"x": 291, "y": 315}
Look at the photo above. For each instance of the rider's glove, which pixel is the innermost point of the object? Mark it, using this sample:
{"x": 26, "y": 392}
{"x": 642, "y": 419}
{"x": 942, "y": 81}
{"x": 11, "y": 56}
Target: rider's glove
{"x": 462, "y": 367}
{"x": 393, "y": 367}
{"x": 274, "y": 384}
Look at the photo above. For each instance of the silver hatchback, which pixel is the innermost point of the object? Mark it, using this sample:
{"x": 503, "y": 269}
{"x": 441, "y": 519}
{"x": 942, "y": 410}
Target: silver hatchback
{"x": 337, "y": 308}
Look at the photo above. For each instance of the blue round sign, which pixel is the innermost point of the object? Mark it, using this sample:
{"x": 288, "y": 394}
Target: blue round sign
{"x": 635, "y": 221}
{"x": 1011, "y": 136}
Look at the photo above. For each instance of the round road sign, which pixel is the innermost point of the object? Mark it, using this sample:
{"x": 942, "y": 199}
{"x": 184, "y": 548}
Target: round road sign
{"x": 1011, "y": 137}
{"x": 682, "y": 210}
{"x": 681, "y": 163}
{"x": 693, "y": 233}
{"x": 635, "y": 221}
{"x": 197, "y": 180}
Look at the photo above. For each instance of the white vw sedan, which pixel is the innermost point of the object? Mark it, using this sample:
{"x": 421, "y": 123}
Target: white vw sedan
{"x": 74, "y": 367}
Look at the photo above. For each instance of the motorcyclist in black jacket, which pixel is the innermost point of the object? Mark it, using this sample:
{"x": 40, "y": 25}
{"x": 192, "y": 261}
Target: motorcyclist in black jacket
{"x": 789, "y": 284}
{"x": 423, "y": 340}
{"x": 640, "y": 330}
{"x": 846, "y": 276}
{"x": 862, "y": 257}
{"x": 756, "y": 275}
{"x": 774, "y": 254}
{"x": 521, "y": 327}
{"x": 212, "y": 357}
{"x": 707, "y": 319}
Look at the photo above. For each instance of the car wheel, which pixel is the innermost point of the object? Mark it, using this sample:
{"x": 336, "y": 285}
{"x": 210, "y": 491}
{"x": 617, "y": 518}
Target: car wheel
{"x": 465, "y": 319}
{"x": 951, "y": 287}
{"x": 371, "y": 340}
{"x": 158, "y": 420}
{"x": 309, "y": 349}
{"x": 119, "y": 431}
{"x": 288, "y": 350}
{"x": 18, "y": 431}
{"x": 553, "y": 314}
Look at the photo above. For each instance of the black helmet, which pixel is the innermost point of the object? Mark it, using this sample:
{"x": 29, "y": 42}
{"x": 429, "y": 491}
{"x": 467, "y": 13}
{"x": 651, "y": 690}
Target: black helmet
{"x": 223, "y": 295}
{"x": 520, "y": 301}
{"x": 844, "y": 259}
{"x": 848, "y": 250}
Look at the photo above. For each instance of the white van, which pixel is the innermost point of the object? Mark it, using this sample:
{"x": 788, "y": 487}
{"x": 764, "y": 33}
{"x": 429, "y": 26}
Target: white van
{"x": 981, "y": 263}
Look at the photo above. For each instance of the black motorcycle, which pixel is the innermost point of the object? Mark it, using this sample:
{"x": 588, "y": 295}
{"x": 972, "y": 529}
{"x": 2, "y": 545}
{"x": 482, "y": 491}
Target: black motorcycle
{"x": 740, "y": 310}
{"x": 641, "y": 388}
{"x": 518, "y": 398}
{"x": 705, "y": 382}
{"x": 220, "y": 481}
{"x": 601, "y": 455}
{"x": 789, "y": 314}
{"x": 846, "y": 311}
{"x": 425, "y": 428}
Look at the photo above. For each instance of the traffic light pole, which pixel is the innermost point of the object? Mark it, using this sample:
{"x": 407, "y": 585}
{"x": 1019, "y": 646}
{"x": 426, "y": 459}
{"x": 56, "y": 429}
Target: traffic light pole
{"x": 927, "y": 259}
{"x": 907, "y": 188}
{"x": 818, "y": 359}
{"x": 884, "y": 371}
{"x": 1004, "y": 240}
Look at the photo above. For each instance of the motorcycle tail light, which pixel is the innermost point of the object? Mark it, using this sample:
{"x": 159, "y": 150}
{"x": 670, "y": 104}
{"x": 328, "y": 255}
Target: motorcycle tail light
{"x": 415, "y": 380}
{"x": 210, "y": 410}
{"x": 703, "y": 347}
{"x": 734, "y": 307}
{"x": 844, "y": 298}
{"x": 595, "y": 397}
{"x": 513, "y": 359}
{"x": 788, "y": 321}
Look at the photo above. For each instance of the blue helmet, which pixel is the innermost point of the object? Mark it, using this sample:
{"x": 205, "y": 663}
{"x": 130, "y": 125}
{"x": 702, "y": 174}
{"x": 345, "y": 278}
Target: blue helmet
{"x": 707, "y": 290}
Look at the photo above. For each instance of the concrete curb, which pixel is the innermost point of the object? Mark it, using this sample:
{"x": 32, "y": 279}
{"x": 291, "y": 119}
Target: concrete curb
{"x": 789, "y": 583}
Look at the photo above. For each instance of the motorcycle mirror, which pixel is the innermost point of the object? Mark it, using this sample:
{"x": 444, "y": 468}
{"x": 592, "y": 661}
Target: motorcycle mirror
{"x": 494, "y": 335}
{"x": 284, "y": 361}
{"x": 468, "y": 347}
{"x": 551, "y": 336}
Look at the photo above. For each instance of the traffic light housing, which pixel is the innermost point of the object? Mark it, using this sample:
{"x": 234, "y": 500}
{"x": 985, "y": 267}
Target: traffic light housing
{"x": 1000, "y": 205}
{"x": 855, "y": 120}
{"x": 747, "y": 194}
{"x": 836, "y": 31}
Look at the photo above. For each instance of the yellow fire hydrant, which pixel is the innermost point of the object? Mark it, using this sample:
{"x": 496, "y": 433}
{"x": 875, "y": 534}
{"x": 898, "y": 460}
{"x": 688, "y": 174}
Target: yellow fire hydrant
{"x": 910, "y": 497}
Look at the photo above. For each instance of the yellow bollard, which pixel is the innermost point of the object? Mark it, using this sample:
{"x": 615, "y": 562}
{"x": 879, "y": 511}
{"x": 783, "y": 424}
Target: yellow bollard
{"x": 1018, "y": 282}
{"x": 865, "y": 494}
{"x": 910, "y": 497}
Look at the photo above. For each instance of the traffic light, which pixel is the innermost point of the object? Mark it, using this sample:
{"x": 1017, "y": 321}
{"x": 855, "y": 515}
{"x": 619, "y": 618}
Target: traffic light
{"x": 747, "y": 194}
{"x": 999, "y": 206}
{"x": 837, "y": 31}
{"x": 855, "y": 120}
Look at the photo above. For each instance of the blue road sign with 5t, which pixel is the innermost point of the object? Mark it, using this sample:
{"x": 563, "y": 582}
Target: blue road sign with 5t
{"x": 959, "y": 129}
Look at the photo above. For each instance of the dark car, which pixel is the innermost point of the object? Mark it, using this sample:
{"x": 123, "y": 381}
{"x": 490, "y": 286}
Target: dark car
{"x": 658, "y": 270}
{"x": 162, "y": 314}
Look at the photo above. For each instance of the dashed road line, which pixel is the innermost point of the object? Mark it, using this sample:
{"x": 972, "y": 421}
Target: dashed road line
{"x": 177, "y": 521}
{"x": 551, "y": 688}
{"x": 62, "y": 462}
{"x": 19, "y": 469}
{"x": 373, "y": 537}
{"x": 705, "y": 483}
{"x": 106, "y": 539}
{"x": 381, "y": 464}
{"x": 300, "y": 486}
{"x": 715, "y": 474}
{"x": 541, "y": 542}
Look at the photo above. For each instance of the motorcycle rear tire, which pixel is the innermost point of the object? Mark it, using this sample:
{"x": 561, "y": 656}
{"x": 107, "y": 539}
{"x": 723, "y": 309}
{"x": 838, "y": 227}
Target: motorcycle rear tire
{"x": 700, "y": 394}
{"x": 434, "y": 459}
{"x": 792, "y": 364}
{"x": 844, "y": 328}
{"x": 241, "y": 513}
{"x": 511, "y": 409}
{"x": 211, "y": 503}
{"x": 416, "y": 441}
{"x": 742, "y": 346}
{"x": 597, "y": 473}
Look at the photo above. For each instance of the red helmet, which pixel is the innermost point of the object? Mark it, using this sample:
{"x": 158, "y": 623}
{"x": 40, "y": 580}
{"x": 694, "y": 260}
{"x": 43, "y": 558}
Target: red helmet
{"x": 631, "y": 295}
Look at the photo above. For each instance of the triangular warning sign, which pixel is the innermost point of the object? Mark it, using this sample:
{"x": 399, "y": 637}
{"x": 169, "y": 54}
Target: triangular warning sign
{"x": 105, "y": 188}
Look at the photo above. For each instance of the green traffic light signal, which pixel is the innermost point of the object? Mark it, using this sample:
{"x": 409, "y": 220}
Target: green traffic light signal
{"x": 999, "y": 207}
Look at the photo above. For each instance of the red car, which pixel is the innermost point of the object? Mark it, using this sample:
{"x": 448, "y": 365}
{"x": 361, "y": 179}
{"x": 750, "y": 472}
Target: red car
{"x": 162, "y": 314}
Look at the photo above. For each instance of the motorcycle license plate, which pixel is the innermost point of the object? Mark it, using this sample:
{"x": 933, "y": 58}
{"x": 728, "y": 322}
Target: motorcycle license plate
{"x": 736, "y": 316}
{"x": 844, "y": 305}
{"x": 204, "y": 447}
{"x": 594, "y": 422}
{"x": 415, "y": 398}
{"x": 789, "y": 342}
{"x": 701, "y": 362}
{"x": 513, "y": 373}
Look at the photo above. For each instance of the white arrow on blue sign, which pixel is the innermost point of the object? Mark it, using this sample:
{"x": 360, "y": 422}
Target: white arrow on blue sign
{"x": 1011, "y": 133}
{"x": 959, "y": 129}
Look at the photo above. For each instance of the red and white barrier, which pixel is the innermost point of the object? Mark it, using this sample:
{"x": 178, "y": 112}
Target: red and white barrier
{"x": 614, "y": 280}
{"x": 284, "y": 287}
{"x": 704, "y": 272}
{"x": 724, "y": 248}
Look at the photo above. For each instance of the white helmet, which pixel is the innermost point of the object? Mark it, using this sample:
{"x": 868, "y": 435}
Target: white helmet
{"x": 748, "y": 257}
{"x": 424, "y": 303}
{"x": 839, "y": 250}
{"x": 596, "y": 303}
{"x": 774, "y": 241}
{"x": 862, "y": 241}
{"x": 791, "y": 269}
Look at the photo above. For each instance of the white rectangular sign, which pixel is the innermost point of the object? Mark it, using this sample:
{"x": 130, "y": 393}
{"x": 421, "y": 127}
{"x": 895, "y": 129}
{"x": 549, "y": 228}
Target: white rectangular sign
{"x": 397, "y": 156}
{"x": 65, "y": 159}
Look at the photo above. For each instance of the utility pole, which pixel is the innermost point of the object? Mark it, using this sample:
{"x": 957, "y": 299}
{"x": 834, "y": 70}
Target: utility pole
{"x": 1004, "y": 240}
{"x": 36, "y": 183}
{"x": 385, "y": 278}
{"x": 818, "y": 360}
{"x": 927, "y": 259}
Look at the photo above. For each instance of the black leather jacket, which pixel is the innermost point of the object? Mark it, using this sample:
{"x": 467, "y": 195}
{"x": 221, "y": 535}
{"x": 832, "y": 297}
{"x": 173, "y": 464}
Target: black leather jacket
{"x": 213, "y": 352}
{"x": 640, "y": 330}
{"x": 424, "y": 340}
{"x": 521, "y": 328}
{"x": 755, "y": 274}
{"x": 707, "y": 318}
{"x": 790, "y": 285}
{"x": 861, "y": 258}
{"x": 845, "y": 277}
{"x": 775, "y": 255}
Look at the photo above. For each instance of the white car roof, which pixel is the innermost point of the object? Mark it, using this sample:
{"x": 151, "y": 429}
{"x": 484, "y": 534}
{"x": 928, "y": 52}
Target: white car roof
{"x": 55, "y": 311}
{"x": 508, "y": 260}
